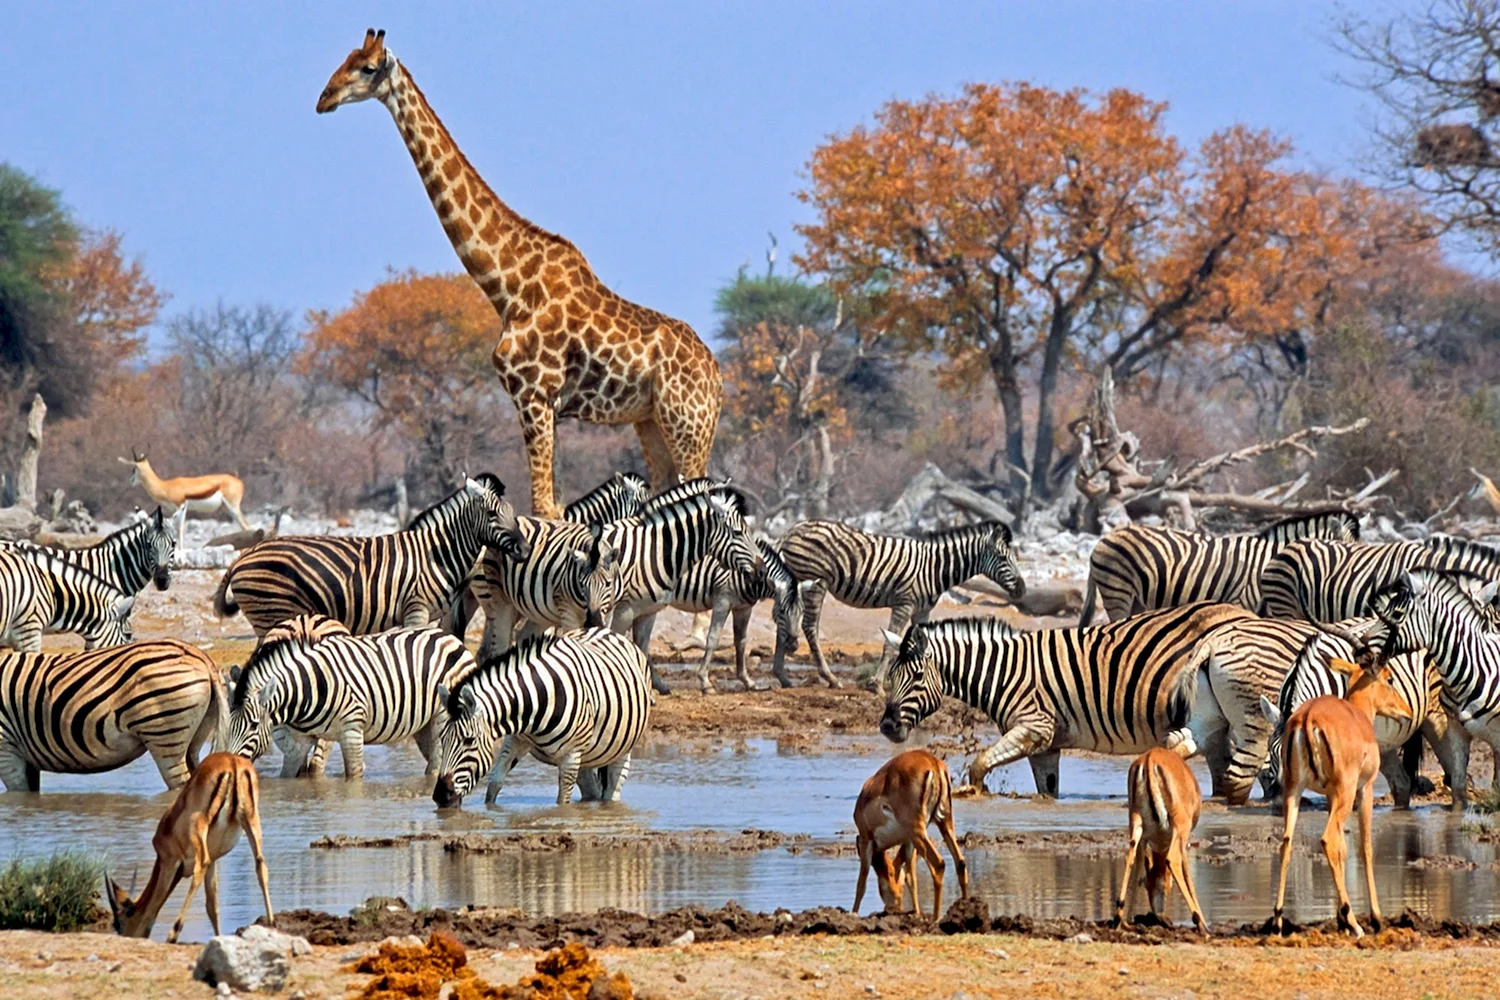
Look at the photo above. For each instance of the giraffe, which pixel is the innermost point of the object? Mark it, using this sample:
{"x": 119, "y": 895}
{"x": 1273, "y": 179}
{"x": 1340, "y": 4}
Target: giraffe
{"x": 569, "y": 347}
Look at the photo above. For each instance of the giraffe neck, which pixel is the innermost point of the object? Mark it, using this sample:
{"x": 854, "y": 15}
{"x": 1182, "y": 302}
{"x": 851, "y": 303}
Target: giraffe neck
{"x": 497, "y": 246}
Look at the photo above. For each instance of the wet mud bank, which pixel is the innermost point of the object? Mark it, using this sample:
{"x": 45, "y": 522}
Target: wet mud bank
{"x": 380, "y": 918}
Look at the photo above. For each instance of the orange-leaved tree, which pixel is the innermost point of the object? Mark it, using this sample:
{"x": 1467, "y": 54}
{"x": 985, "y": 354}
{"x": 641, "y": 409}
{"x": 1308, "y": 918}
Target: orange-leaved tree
{"x": 416, "y": 349}
{"x": 1017, "y": 229}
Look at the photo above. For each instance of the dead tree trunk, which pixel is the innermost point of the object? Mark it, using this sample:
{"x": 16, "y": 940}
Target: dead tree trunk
{"x": 31, "y": 452}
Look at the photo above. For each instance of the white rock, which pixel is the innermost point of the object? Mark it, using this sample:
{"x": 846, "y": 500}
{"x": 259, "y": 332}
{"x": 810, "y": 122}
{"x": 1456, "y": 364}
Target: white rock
{"x": 683, "y": 940}
{"x": 404, "y": 941}
{"x": 1082, "y": 938}
{"x": 291, "y": 944}
{"x": 222, "y": 990}
{"x": 242, "y": 965}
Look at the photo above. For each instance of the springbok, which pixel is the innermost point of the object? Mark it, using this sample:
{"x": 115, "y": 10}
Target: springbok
{"x": 894, "y": 809}
{"x": 188, "y": 494}
{"x": 1329, "y": 746}
{"x": 219, "y": 800}
{"x": 1164, "y": 804}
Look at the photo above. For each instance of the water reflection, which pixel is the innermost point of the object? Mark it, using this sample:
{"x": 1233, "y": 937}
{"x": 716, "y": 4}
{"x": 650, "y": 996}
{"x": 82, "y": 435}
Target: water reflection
{"x": 749, "y": 785}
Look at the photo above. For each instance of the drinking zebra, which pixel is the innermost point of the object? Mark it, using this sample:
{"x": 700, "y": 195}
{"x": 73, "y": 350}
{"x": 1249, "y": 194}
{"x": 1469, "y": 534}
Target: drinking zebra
{"x": 1120, "y": 687}
{"x": 39, "y": 593}
{"x": 657, "y": 549}
{"x": 1142, "y": 568}
{"x": 907, "y": 575}
{"x": 575, "y": 700}
{"x": 711, "y": 586}
{"x": 1329, "y": 581}
{"x": 1430, "y": 609}
{"x": 311, "y": 677}
{"x": 408, "y": 578}
{"x": 81, "y": 713}
{"x": 126, "y": 559}
{"x": 619, "y": 496}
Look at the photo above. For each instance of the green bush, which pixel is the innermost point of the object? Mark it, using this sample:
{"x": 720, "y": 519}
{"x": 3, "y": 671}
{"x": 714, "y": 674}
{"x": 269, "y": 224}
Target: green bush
{"x": 54, "y": 894}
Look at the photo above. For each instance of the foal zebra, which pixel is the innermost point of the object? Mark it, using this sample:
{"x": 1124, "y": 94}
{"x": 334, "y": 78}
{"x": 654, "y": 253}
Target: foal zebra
{"x": 575, "y": 700}
{"x": 317, "y": 681}
{"x": 712, "y": 586}
{"x": 1329, "y": 581}
{"x": 907, "y": 575}
{"x": 126, "y": 560}
{"x": 621, "y": 495}
{"x": 407, "y": 578}
{"x": 1120, "y": 687}
{"x": 81, "y": 713}
{"x": 1431, "y": 610}
{"x": 1141, "y": 568}
{"x": 41, "y": 593}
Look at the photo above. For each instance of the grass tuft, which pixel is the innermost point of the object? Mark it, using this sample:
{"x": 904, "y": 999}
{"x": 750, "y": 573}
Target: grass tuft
{"x": 51, "y": 894}
{"x": 1487, "y": 801}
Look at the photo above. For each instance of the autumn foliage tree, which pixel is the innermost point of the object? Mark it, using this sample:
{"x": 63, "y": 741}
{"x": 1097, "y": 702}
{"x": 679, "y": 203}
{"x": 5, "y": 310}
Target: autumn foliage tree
{"x": 1017, "y": 230}
{"x": 416, "y": 349}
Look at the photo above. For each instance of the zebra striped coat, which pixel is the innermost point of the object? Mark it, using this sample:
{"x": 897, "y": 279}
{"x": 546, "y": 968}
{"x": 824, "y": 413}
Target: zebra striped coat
{"x": 1121, "y": 687}
{"x": 41, "y": 593}
{"x": 574, "y": 700}
{"x": 711, "y": 586}
{"x": 621, "y": 495}
{"x": 126, "y": 560}
{"x": 81, "y": 713}
{"x": 907, "y": 575}
{"x": 312, "y": 677}
{"x": 1431, "y": 610}
{"x": 408, "y": 578}
{"x": 1141, "y": 568}
{"x": 1329, "y": 581}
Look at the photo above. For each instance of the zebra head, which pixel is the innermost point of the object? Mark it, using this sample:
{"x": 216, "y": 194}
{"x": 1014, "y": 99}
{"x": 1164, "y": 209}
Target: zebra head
{"x": 114, "y": 628}
{"x": 786, "y": 596}
{"x": 603, "y": 578}
{"x": 1270, "y": 775}
{"x": 998, "y": 561}
{"x": 161, "y": 544}
{"x": 466, "y": 746}
{"x": 260, "y": 691}
{"x": 499, "y": 530}
{"x": 729, "y": 539}
{"x": 914, "y": 689}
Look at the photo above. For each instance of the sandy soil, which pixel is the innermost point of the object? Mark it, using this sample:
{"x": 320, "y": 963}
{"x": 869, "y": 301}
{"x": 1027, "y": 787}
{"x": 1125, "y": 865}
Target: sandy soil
{"x": 1400, "y": 964}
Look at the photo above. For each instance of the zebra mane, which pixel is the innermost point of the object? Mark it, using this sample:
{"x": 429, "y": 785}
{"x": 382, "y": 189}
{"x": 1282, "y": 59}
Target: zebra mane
{"x": 695, "y": 488}
{"x": 429, "y": 516}
{"x": 501, "y": 663}
{"x": 301, "y": 632}
{"x": 53, "y": 562}
{"x": 966, "y": 532}
{"x": 954, "y": 629}
{"x": 609, "y": 488}
{"x": 1464, "y": 548}
{"x": 1309, "y": 526}
{"x": 776, "y": 567}
{"x": 683, "y": 507}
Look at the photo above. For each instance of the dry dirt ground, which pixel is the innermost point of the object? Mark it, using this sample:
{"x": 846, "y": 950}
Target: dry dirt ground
{"x": 77, "y": 966}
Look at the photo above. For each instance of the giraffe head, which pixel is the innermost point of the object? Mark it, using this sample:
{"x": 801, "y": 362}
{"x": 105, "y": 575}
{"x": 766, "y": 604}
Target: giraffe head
{"x": 366, "y": 73}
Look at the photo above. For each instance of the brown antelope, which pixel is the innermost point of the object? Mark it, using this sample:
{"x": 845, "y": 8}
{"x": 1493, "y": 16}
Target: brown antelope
{"x": 220, "y": 799}
{"x": 894, "y": 809}
{"x": 1329, "y": 746}
{"x": 189, "y": 494}
{"x": 1164, "y": 804}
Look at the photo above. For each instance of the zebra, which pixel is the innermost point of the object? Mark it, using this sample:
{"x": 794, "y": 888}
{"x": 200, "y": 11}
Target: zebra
{"x": 621, "y": 495}
{"x": 658, "y": 548}
{"x": 405, "y": 579}
{"x": 1425, "y": 609}
{"x": 573, "y": 700}
{"x": 126, "y": 560}
{"x": 40, "y": 592}
{"x": 907, "y": 575}
{"x": 711, "y": 586}
{"x": 92, "y": 711}
{"x": 311, "y": 676}
{"x": 569, "y": 579}
{"x": 1120, "y": 687}
{"x": 1142, "y": 568}
{"x": 1329, "y": 581}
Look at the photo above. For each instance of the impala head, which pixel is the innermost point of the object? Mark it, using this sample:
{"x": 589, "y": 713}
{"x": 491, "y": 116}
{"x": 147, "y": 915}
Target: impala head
{"x": 130, "y": 920}
{"x": 998, "y": 560}
{"x": 466, "y": 746}
{"x": 1371, "y": 687}
{"x": 137, "y": 461}
{"x": 366, "y": 73}
{"x": 162, "y": 545}
{"x": 914, "y": 689}
{"x": 603, "y": 578}
{"x": 729, "y": 540}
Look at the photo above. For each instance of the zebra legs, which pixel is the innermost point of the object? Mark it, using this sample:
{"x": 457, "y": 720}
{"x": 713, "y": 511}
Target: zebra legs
{"x": 504, "y": 761}
{"x": 172, "y": 763}
{"x": 499, "y": 626}
{"x": 711, "y": 643}
{"x": 813, "y": 592}
{"x": 567, "y": 776}
{"x": 1023, "y": 740}
{"x": 16, "y": 771}
{"x": 741, "y": 622}
{"x": 352, "y": 743}
{"x": 614, "y": 779}
{"x": 1044, "y": 767}
{"x": 641, "y": 628}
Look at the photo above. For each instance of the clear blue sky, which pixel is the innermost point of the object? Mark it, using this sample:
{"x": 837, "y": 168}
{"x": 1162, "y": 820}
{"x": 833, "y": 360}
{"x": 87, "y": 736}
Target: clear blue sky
{"x": 664, "y": 139}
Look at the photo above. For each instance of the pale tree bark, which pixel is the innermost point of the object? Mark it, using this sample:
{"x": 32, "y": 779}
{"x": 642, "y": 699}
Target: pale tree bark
{"x": 31, "y": 453}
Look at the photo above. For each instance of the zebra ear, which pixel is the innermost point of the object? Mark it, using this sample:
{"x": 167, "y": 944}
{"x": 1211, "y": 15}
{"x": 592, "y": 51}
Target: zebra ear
{"x": 267, "y": 691}
{"x": 156, "y": 519}
{"x": 442, "y": 693}
{"x": 1487, "y": 593}
{"x": 1270, "y": 711}
{"x": 466, "y": 699}
{"x": 234, "y": 673}
{"x": 472, "y": 486}
{"x": 891, "y": 637}
{"x": 121, "y": 609}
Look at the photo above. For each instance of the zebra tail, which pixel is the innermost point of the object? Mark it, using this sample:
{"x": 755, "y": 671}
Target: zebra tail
{"x": 220, "y": 709}
{"x": 224, "y": 605}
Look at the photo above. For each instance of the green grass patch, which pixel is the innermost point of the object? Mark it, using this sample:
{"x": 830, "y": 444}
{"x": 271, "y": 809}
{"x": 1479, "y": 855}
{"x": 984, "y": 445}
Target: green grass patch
{"x": 51, "y": 894}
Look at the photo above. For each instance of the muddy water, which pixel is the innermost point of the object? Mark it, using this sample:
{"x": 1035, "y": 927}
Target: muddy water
{"x": 727, "y": 790}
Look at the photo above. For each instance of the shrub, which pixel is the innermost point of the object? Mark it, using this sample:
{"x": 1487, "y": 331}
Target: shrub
{"x": 55, "y": 894}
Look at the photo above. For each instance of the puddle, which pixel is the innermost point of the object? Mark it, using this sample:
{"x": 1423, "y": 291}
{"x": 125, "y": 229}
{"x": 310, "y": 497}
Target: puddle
{"x": 749, "y": 784}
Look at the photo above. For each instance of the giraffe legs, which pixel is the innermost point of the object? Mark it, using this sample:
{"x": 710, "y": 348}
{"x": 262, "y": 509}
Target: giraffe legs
{"x": 661, "y": 468}
{"x": 539, "y": 430}
{"x": 688, "y": 428}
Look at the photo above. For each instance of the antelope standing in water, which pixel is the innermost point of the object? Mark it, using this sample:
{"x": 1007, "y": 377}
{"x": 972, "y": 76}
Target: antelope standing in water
{"x": 894, "y": 809}
{"x": 1164, "y": 804}
{"x": 219, "y": 800}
